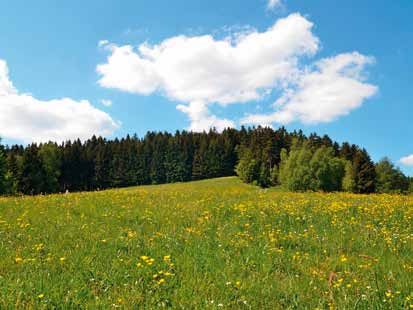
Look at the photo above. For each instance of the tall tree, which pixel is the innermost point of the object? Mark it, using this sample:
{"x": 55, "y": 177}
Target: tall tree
{"x": 51, "y": 160}
{"x": 349, "y": 184}
{"x": 33, "y": 175}
{"x": 247, "y": 169}
{"x": 328, "y": 171}
{"x": 389, "y": 178}
{"x": 295, "y": 170}
{"x": 103, "y": 161}
{"x": 3, "y": 171}
{"x": 364, "y": 173}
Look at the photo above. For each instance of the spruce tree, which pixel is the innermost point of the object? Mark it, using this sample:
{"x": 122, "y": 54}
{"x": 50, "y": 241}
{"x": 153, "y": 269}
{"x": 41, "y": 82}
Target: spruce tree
{"x": 33, "y": 175}
{"x": 364, "y": 173}
{"x": 51, "y": 160}
{"x": 3, "y": 171}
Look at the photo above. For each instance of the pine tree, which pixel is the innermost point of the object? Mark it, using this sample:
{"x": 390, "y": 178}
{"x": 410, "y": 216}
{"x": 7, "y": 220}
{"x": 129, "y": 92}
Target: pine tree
{"x": 3, "y": 171}
{"x": 157, "y": 168}
{"x": 12, "y": 174}
{"x": 346, "y": 152}
{"x": 364, "y": 173}
{"x": 199, "y": 164}
{"x": 33, "y": 175}
{"x": 102, "y": 167}
{"x": 51, "y": 159}
{"x": 72, "y": 166}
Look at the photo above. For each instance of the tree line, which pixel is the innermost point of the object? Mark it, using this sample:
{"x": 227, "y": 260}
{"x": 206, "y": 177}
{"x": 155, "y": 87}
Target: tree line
{"x": 99, "y": 163}
{"x": 299, "y": 163}
{"x": 262, "y": 156}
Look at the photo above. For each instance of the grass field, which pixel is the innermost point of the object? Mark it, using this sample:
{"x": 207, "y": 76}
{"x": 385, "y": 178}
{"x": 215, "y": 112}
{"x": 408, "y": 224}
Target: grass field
{"x": 209, "y": 244}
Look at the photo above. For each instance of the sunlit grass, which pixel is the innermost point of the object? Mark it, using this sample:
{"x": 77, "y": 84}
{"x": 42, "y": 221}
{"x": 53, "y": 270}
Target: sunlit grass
{"x": 216, "y": 243}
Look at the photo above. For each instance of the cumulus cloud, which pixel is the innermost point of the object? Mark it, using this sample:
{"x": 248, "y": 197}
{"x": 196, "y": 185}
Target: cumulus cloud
{"x": 202, "y": 119}
{"x": 199, "y": 71}
{"x": 25, "y": 118}
{"x": 333, "y": 88}
{"x": 239, "y": 68}
{"x": 407, "y": 160}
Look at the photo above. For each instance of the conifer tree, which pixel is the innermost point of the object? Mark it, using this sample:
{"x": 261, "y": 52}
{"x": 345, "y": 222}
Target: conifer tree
{"x": 3, "y": 171}
{"x": 33, "y": 175}
{"x": 51, "y": 160}
{"x": 102, "y": 176}
{"x": 364, "y": 173}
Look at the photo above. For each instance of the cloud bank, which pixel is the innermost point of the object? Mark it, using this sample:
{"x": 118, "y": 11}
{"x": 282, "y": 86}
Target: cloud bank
{"x": 200, "y": 71}
{"x": 25, "y": 118}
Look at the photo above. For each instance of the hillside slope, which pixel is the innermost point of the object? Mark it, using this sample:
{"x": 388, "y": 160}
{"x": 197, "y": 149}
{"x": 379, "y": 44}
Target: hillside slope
{"x": 206, "y": 244}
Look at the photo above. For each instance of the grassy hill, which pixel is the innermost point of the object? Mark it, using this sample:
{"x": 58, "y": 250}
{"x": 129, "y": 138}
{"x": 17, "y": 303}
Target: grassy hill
{"x": 208, "y": 244}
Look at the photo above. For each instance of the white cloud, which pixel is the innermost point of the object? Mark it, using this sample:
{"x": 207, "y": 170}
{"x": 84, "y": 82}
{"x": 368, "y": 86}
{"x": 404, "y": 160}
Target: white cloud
{"x": 407, "y": 160}
{"x": 201, "y": 69}
{"x": 245, "y": 66}
{"x": 106, "y": 102}
{"x": 202, "y": 119}
{"x": 272, "y": 4}
{"x": 25, "y": 118}
{"x": 333, "y": 88}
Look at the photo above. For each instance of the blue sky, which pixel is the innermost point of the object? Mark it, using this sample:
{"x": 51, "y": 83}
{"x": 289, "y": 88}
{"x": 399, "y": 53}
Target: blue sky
{"x": 50, "y": 54}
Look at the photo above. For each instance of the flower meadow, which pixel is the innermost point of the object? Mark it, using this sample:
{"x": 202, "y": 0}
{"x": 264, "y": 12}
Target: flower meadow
{"x": 210, "y": 244}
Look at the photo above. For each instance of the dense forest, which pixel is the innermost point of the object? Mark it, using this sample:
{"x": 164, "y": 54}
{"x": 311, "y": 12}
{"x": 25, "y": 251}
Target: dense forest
{"x": 261, "y": 156}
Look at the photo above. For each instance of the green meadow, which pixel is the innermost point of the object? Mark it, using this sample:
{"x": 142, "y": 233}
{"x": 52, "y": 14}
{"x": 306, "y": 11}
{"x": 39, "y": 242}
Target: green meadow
{"x": 209, "y": 244}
